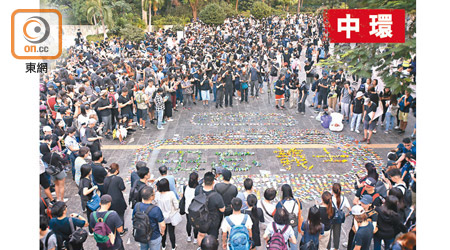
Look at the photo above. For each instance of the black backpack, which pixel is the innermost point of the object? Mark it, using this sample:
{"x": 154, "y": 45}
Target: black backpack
{"x": 134, "y": 194}
{"x": 199, "y": 213}
{"x": 59, "y": 241}
{"x": 142, "y": 230}
{"x": 273, "y": 71}
{"x": 77, "y": 237}
{"x": 293, "y": 219}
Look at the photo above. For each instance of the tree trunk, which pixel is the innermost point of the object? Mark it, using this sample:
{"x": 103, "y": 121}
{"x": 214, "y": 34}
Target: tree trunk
{"x": 144, "y": 14}
{"x": 96, "y": 26}
{"x": 194, "y": 6}
{"x": 237, "y": 2}
{"x": 150, "y": 17}
{"x": 103, "y": 26}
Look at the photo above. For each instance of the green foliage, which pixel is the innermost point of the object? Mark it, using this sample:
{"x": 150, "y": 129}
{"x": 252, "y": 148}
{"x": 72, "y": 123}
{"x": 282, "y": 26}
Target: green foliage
{"x": 212, "y": 14}
{"x": 178, "y": 27}
{"x": 246, "y": 13}
{"x": 121, "y": 22}
{"x": 228, "y": 9}
{"x": 170, "y": 20}
{"x": 244, "y": 5}
{"x": 94, "y": 38}
{"x": 132, "y": 33}
{"x": 261, "y": 10}
{"x": 183, "y": 10}
{"x": 279, "y": 12}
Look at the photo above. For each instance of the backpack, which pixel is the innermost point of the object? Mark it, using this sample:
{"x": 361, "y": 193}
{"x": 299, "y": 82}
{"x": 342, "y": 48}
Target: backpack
{"x": 273, "y": 71}
{"x": 142, "y": 230}
{"x": 47, "y": 209}
{"x": 59, "y": 241}
{"x": 293, "y": 219}
{"x": 134, "y": 194}
{"x": 77, "y": 237}
{"x": 199, "y": 213}
{"x": 310, "y": 245}
{"x": 239, "y": 238}
{"x": 139, "y": 97}
{"x": 277, "y": 241}
{"x": 102, "y": 233}
{"x": 339, "y": 215}
{"x": 376, "y": 195}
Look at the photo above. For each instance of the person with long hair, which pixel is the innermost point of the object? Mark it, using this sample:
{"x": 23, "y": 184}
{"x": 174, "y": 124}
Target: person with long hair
{"x": 291, "y": 205}
{"x": 257, "y": 216}
{"x": 371, "y": 172}
{"x": 53, "y": 158}
{"x": 167, "y": 201}
{"x": 188, "y": 195}
{"x": 86, "y": 190}
{"x": 114, "y": 186}
{"x": 389, "y": 223}
{"x": 312, "y": 228}
{"x": 280, "y": 221}
{"x": 339, "y": 202}
{"x": 327, "y": 212}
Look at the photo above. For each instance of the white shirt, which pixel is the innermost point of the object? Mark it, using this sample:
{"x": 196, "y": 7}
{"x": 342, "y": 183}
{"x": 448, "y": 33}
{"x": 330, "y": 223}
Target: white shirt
{"x": 268, "y": 219}
{"x": 344, "y": 202}
{"x": 288, "y": 234}
{"x": 168, "y": 204}
{"x": 237, "y": 219}
{"x": 189, "y": 195}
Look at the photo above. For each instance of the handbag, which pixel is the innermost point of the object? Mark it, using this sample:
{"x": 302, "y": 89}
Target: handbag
{"x": 94, "y": 203}
{"x": 244, "y": 85}
{"x": 51, "y": 169}
{"x": 175, "y": 218}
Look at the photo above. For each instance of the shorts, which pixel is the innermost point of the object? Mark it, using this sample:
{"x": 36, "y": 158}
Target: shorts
{"x": 205, "y": 95}
{"x": 43, "y": 181}
{"x": 59, "y": 176}
{"x": 278, "y": 97}
{"x": 370, "y": 126}
{"x": 142, "y": 113}
{"x": 402, "y": 116}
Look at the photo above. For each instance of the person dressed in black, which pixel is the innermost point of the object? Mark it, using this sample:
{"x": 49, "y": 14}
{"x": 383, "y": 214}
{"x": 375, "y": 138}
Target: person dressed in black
{"x": 216, "y": 206}
{"x": 257, "y": 216}
{"x": 114, "y": 186}
{"x": 302, "y": 94}
{"x": 86, "y": 190}
{"x": 227, "y": 190}
{"x": 220, "y": 91}
{"x": 228, "y": 79}
{"x": 98, "y": 171}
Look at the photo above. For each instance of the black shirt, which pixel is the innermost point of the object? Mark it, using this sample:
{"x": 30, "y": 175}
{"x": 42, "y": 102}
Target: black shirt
{"x": 127, "y": 108}
{"x": 215, "y": 202}
{"x": 228, "y": 192}
{"x": 369, "y": 109}
{"x": 103, "y": 103}
{"x": 324, "y": 217}
{"x": 325, "y": 82}
{"x": 98, "y": 173}
{"x": 358, "y": 105}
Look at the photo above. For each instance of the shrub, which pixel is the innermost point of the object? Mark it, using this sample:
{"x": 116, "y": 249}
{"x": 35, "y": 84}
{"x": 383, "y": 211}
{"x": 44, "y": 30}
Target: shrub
{"x": 261, "y": 10}
{"x": 212, "y": 14}
{"x": 94, "y": 38}
{"x": 132, "y": 33}
{"x": 228, "y": 9}
{"x": 178, "y": 27}
{"x": 245, "y": 5}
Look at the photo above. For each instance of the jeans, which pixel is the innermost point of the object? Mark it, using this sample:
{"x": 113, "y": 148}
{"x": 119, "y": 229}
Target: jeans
{"x": 107, "y": 121}
{"x": 292, "y": 246}
{"x": 228, "y": 97}
{"x": 322, "y": 100}
{"x": 301, "y": 103}
{"x": 72, "y": 163}
{"x": 152, "y": 245}
{"x": 159, "y": 114}
{"x": 215, "y": 91}
{"x": 189, "y": 227}
{"x": 244, "y": 95}
{"x": 389, "y": 121}
{"x": 254, "y": 85}
{"x": 356, "y": 119}
{"x": 315, "y": 99}
{"x": 377, "y": 242}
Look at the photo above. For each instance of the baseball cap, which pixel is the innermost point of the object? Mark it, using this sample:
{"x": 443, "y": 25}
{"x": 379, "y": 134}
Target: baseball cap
{"x": 357, "y": 210}
{"x": 370, "y": 182}
{"x": 46, "y": 129}
{"x": 105, "y": 199}
{"x": 92, "y": 121}
{"x": 219, "y": 170}
{"x": 359, "y": 94}
{"x": 366, "y": 199}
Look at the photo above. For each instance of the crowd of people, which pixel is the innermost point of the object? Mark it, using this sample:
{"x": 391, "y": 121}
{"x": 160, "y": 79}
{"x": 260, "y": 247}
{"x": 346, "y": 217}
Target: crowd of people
{"x": 108, "y": 89}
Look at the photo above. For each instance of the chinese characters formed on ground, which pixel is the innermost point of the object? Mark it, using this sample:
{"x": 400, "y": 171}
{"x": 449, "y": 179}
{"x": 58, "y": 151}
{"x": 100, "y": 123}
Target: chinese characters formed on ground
{"x": 293, "y": 155}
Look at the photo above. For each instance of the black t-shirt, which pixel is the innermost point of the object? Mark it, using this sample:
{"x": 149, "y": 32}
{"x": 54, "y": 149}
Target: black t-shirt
{"x": 103, "y": 103}
{"x": 369, "y": 109}
{"x": 278, "y": 91}
{"x": 215, "y": 202}
{"x": 113, "y": 221}
{"x": 98, "y": 173}
{"x": 205, "y": 85}
{"x": 127, "y": 108}
{"x": 373, "y": 96}
{"x": 228, "y": 192}
{"x": 324, "y": 217}
{"x": 363, "y": 237}
{"x": 358, "y": 105}
{"x": 325, "y": 82}
{"x": 85, "y": 183}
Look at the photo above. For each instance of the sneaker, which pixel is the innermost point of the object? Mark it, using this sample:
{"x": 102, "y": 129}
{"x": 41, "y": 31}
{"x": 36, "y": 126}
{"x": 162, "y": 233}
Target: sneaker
{"x": 401, "y": 132}
{"x": 189, "y": 239}
{"x": 163, "y": 122}
{"x": 276, "y": 106}
{"x": 161, "y": 128}
{"x": 364, "y": 140}
{"x": 282, "y": 107}
{"x": 54, "y": 201}
{"x": 170, "y": 120}
{"x": 90, "y": 234}
{"x": 397, "y": 127}
{"x": 195, "y": 241}
{"x": 352, "y": 130}
{"x": 386, "y": 132}
{"x": 374, "y": 131}
{"x": 357, "y": 131}
{"x": 368, "y": 141}
{"x": 382, "y": 125}
{"x": 173, "y": 248}
{"x": 303, "y": 113}
{"x": 125, "y": 230}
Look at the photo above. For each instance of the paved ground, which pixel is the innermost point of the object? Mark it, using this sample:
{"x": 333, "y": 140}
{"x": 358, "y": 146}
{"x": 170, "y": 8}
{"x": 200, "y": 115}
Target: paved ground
{"x": 263, "y": 130}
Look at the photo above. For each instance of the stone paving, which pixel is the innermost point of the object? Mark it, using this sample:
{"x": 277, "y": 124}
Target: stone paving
{"x": 184, "y": 127}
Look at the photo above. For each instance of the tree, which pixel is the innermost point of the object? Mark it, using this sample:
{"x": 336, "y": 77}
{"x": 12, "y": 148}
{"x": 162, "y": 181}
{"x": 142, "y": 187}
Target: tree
{"x": 151, "y": 4}
{"x": 195, "y": 4}
{"x": 260, "y": 10}
{"x": 97, "y": 9}
{"x": 212, "y": 14}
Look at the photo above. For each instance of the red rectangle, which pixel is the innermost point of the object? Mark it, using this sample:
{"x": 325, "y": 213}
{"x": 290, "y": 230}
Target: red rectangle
{"x": 385, "y": 26}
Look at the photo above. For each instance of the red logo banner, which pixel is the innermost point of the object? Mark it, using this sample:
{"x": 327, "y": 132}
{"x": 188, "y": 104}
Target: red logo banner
{"x": 365, "y": 25}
